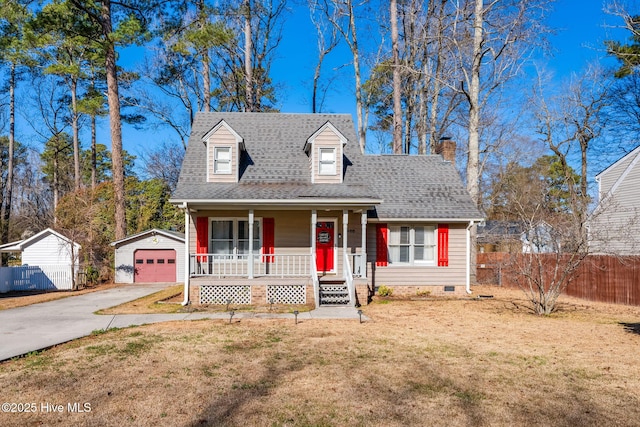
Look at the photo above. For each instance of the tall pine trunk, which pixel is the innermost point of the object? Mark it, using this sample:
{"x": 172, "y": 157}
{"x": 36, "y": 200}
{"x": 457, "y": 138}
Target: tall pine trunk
{"x": 8, "y": 192}
{"x": 115, "y": 122}
{"x": 397, "y": 84}
{"x": 248, "y": 71}
{"x": 76, "y": 139}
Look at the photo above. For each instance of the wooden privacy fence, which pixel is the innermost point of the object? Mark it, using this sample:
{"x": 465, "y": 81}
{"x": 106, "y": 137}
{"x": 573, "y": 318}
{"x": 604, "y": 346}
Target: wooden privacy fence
{"x": 36, "y": 278}
{"x": 601, "y": 278}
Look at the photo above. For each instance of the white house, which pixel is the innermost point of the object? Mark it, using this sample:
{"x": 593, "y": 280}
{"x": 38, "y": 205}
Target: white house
{"x": 49, "y": 262}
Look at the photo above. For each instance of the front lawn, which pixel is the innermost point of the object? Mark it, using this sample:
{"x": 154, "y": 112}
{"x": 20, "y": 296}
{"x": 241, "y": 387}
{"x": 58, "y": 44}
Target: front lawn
{"x": 437, "y": 362}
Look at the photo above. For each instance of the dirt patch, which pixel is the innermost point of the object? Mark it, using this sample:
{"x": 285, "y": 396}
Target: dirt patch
{"x": 486, "y": 362}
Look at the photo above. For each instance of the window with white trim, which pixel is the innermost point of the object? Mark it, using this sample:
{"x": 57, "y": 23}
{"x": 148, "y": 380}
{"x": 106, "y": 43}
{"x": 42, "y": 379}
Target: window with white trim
{"x": 231, "y": 236}
{"x": 222, "y": 160}
{"x": 412, "y": 244}
{"x": 327, "y": 159}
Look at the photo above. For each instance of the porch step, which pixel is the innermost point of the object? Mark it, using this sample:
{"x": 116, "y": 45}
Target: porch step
{"x": 334, "y": 292}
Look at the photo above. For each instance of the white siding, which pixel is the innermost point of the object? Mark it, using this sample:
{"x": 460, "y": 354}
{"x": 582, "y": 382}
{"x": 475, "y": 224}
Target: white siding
{"x": 49, "y": 250}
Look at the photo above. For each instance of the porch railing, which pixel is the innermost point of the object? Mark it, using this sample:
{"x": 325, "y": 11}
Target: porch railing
{"x": 358, "y": 264}
{"x": 274, "y": 265}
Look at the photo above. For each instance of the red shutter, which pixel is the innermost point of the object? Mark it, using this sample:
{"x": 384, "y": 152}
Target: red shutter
{"x": 202, "y": 236}
{"x": 268, "y": 239}
{"x": 382, "y": 236}
{"x": 443, "y": 245}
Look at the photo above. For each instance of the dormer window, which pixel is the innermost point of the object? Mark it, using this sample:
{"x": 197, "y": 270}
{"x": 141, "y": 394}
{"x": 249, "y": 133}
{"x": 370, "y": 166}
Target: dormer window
{"x": 327, "y": 158}
{"x": 224, "y": 153}
{"x": 325, "y": 149}
{"x": 222, "y": 160}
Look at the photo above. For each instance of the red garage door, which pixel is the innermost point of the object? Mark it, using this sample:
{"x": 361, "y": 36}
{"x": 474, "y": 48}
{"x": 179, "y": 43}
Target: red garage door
{"x": 155, "y": 265}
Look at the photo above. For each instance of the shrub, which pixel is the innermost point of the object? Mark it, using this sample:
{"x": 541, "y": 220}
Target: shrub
{"x": 385, "y": 291}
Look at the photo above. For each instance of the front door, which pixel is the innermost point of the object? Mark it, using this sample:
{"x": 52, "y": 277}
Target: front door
{"x": 325, "y": 252}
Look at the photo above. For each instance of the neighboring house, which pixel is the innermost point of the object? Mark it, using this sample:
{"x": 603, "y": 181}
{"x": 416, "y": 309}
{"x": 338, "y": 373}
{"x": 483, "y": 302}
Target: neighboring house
{"x": 49, "y": 261}
{"x": 614, "y": 226}
{"x": 284, "y": 208}
{"x": 515, "y": 237}
{"x": 151, "y": 256}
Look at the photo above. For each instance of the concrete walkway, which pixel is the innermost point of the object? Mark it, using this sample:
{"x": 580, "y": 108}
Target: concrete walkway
{"x": 38, "y": 326}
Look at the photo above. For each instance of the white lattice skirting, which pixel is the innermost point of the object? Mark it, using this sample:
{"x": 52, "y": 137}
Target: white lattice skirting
{"x": 287, "y": 294}
{"x": 212, "y": 294}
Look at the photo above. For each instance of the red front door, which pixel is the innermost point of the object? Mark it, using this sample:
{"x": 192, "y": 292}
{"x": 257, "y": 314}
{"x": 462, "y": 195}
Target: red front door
{"x": 325, "y": 234}
{"x": 154, "y": 265}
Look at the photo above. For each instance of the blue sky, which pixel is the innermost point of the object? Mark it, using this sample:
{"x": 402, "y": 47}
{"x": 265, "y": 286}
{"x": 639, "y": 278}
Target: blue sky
{"x": 580, "y": 25}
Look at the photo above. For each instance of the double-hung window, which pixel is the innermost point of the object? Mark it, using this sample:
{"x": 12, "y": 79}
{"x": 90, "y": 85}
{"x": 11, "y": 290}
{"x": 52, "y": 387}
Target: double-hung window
{"x": 231, "y": 236}
{"x": 222, "y": 160}
{"x": 327, "y": 165}
{"x": 412, "y": 244}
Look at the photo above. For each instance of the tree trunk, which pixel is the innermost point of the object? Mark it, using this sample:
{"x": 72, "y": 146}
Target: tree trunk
{"x": 74, "y": 126}
{"x": 474, "y": 108}
{"x": 473, "y": 162}
{"x": 206, "y": 81}
{"x": 6, "y": 205}
{"x": 94, "y": 150}
{"x": 206, "y": 70}
{"x": 248, "y": 71}
{"x": 362, "y": 134}
{"x": 115, "y": 123}
{"x": 397, "y": 99}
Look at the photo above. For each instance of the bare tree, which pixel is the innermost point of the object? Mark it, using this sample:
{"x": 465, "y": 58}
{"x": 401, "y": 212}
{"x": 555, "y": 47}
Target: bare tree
{"x": 554, "y": 210}
{"x": 342, "y": 15}
{"x": 327, "y": 41}
{"x": 503, "y": 34}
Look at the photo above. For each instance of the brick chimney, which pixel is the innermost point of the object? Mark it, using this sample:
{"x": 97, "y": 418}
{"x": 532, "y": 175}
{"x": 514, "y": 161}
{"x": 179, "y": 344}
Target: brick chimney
{"x": 447, "y": 149}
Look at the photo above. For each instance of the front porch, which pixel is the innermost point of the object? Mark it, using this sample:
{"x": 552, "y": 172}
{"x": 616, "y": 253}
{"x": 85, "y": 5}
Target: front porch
{"x": 263, "y": 256}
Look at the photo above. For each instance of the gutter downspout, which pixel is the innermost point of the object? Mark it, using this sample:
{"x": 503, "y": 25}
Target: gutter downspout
{"x": 468, "y": 279}
{"x": 187, "y": 226}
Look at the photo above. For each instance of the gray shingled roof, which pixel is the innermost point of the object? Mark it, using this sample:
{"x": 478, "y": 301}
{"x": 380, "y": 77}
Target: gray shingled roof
{"x": 418, "y": 187}
{"x": 277, "y": 168}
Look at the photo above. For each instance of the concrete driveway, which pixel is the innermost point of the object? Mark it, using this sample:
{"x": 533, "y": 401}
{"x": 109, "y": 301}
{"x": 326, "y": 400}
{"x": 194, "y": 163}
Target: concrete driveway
{"x": 38, "y": 326}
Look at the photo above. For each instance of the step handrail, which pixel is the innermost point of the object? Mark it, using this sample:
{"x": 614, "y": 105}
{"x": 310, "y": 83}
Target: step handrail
{"x": 348, "y": 277}
{"x": 315, "y": 280}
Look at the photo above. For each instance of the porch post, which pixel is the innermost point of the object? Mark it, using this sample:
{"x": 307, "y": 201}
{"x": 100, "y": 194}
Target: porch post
{"x": 345, "y": 230}
{"x": 314, "y": 223}
{"x": 187, "y": 257}
{"x": 250, "y": 260}
{"x": 363, "y": 260}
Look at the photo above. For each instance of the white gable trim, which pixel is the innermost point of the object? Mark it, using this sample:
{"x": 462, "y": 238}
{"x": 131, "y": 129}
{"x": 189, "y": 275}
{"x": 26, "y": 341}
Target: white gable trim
{"x": 19, "y": 245}
{"x": 239, "y": 139}
{"x": 325, "y": 126}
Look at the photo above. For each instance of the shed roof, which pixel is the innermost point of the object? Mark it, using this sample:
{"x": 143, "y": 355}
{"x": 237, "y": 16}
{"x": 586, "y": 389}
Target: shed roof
{"x": 20, "y": 245}
{"x": 154, "y": 231}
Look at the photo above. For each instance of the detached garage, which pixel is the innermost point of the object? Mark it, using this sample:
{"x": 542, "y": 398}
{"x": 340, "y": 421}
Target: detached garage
{"x": 151, "y": 256}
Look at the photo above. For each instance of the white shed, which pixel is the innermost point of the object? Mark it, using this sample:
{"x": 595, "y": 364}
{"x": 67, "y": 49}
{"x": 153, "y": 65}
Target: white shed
{"x": 151, "y": 256}
{"x": 49, "y": 262}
